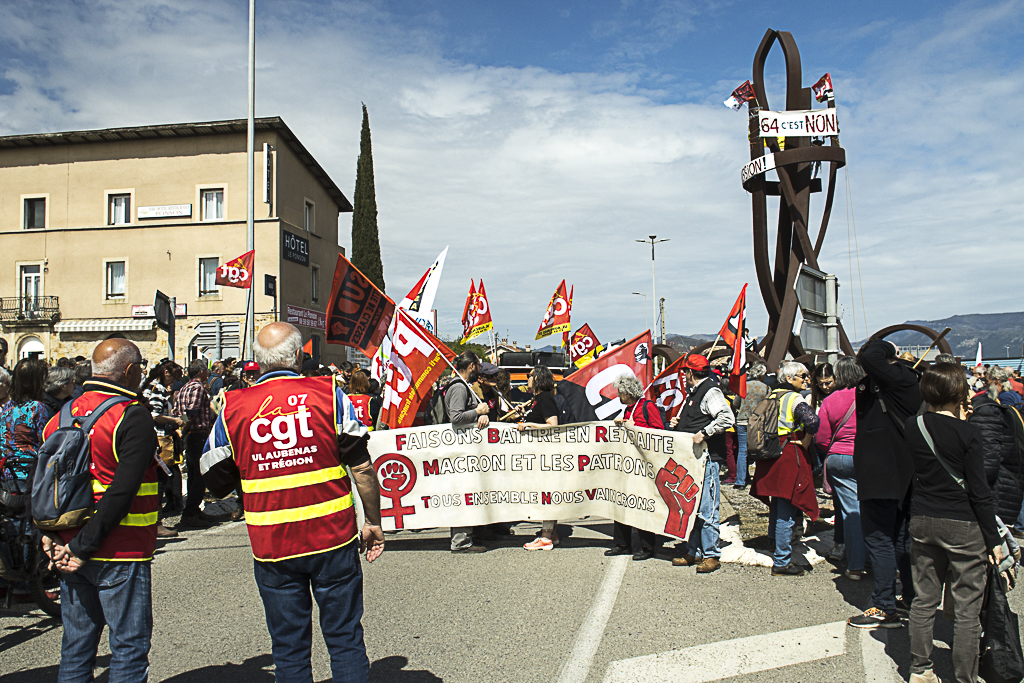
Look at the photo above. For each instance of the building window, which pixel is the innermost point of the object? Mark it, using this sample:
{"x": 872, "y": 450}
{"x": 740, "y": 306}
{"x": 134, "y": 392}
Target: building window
{"x": 208, "y": 276}
{"x": 120, "y": 210}
{"x": 310, "y": 217}
{"x": 213, "y": 205}
{"x": 35, "y": 214}
{"x": 315, "y": 283}
{"x": 115, "y": 280}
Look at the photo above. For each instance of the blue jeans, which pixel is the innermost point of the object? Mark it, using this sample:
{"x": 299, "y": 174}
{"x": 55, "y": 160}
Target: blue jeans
{"x": 741, "y": 455}
{"x": 886, "y": 529}
{"x": 782, "y": 516}
{"x": 843, "y": 479}
{"x": 703, "y": 541}
{"x": 336, "y": 578}
{"x": 1019, "y": 526}
{"x": 115, "y": 594}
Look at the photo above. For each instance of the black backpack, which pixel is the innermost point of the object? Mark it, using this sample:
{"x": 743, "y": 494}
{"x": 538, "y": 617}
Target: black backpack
{"x": 661, "y": 411}
{"x": 62, "y": 483}
{"x": 566, "y": 415}
{"x": 763, "y": 428}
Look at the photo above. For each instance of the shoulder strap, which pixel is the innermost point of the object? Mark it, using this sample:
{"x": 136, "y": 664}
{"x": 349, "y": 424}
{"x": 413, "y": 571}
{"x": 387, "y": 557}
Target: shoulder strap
{"x": 96, "y": 414}
{"x": 931, "y": 444}
{"x": 66, "y": 418}
{"x": 842, "y": 423}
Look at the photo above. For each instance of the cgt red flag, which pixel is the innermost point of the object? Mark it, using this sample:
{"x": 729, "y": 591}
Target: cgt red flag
{"x": 668, "y": 390}
{"x": 589, "y": 390}
{"x": 358, "y": 314}
{"x": 237, "y": 272}
{"x": 732, "y": 334}
{"x": 733, "y": 326}
{"x": 478, "y": 314}
{"x": 584, "y": 346}
{"x": 467, "y": 310}
{"x": 556, "y": 318}
{"x": 417, "y": 360}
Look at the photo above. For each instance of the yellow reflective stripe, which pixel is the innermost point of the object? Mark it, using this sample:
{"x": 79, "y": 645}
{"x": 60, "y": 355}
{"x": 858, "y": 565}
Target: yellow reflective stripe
{"x": 141, "y": 519}
{"x": 147, "y": 489}
{"x": 300, "y": 514}
{"x": 292, "y": 481}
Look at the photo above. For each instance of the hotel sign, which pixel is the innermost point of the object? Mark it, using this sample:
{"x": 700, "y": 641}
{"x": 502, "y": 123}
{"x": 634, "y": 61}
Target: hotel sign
{"x": 295, "y": 248}
{"x": 166, "y": 211}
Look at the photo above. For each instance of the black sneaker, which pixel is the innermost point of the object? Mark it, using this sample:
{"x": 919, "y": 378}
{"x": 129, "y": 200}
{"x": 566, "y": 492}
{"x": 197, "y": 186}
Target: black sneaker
{"x": 471, "y": 549}
{"x": 875, "y": 618}
{"x": 641, "y": 555}
{"x": 789, "y": 570}
{"x": 903, "y": 606}
{"x": 617, "y": 550}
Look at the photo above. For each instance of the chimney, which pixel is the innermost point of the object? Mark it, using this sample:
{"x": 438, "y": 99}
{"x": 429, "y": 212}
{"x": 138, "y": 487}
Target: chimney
{"x": 527, "y": 347}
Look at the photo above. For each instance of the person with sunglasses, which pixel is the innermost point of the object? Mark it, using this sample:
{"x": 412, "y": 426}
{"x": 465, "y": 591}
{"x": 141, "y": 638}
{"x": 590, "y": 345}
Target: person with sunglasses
{"x": 786, "y": 484}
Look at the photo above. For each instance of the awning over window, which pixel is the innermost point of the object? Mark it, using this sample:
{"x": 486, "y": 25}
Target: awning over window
{"x": 105, "y": 325}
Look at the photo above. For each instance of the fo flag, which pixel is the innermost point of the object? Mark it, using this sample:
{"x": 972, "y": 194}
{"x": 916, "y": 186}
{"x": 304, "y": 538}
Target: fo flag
{"x": 589, "y": 391}
{"x": 237, "y": 272}
{"x": 358, "y": 313}
{"x": 584, "y": 347}
{"x": 741, "y": 95}
{"x": 668, "y": 390}
{"x": 417, "y": 360}
{"x": 732, "y": 334}
{"x": 556, "y": 318}
{"x": 477, "y": 318}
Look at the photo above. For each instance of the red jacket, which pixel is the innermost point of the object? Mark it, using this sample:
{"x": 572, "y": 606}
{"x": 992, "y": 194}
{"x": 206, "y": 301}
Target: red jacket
{"x": 789, "y": 476}
{"x": 642, "y": 416}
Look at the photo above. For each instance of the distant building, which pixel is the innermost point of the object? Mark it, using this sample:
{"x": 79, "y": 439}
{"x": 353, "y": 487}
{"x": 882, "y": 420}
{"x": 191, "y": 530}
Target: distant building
{"x": 94, "y": 222}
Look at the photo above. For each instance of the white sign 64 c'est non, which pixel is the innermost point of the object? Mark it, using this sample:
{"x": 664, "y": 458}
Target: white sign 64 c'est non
{"x": 809, "y": 122}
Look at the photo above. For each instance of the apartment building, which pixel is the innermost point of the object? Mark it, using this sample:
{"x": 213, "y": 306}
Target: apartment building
{"x": 93, "y": 223}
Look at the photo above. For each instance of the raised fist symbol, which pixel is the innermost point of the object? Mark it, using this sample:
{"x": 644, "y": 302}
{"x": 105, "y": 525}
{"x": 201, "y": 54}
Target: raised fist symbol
{"x": 394, "y": 477}
{"x": 679, "y": 491}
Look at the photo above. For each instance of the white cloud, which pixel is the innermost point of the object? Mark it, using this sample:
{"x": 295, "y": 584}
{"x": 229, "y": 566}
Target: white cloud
{"x": 533, "y": 176}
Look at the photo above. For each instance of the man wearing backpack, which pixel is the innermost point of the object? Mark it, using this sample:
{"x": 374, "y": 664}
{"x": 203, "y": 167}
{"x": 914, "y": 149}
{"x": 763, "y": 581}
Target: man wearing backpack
{"x": 705, "y": 414}
{"x": 106, "y": 563}
{"x": 886, "y": 398}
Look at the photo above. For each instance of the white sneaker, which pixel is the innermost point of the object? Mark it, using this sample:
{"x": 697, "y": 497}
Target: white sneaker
{"x": 927, "y": 677}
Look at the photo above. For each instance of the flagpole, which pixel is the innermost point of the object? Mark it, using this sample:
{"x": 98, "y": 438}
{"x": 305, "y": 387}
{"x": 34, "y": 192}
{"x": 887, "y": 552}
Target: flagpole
{"x": 250, "y": 233}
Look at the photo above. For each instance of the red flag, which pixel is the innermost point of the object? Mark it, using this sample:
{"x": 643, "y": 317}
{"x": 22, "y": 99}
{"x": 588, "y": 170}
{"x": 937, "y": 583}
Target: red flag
{"x": 467, "y": 310}
{"x": 589, "y": 390}
{"x": 733, "y": 326}
{"x": 584, "y": 346}
{"x": 565, "y": 335}
{"x": 744, "y": 93}
{"x": 732, "y": 334}
{"x": 358, "y": 314}
{"x": 556, "y": 318}
{"x": 822, "y": 90}
{"x": 237, "y": 272}
{"x": 478, "y": 314}
{"x": 417, "y": 360}
{"x": 668, "y": 390}
{"x": 308, "y": 347}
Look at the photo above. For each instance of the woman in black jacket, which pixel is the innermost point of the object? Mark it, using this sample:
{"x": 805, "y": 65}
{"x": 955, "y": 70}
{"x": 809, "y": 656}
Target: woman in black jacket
{"x": 953, "y": 523}
{"x": 1002, "y": 461}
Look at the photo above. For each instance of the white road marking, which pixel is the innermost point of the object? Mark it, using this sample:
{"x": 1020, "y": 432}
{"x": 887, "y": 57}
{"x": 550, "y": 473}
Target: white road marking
{"x": 878, "y": 666}
{"x": 736, "y": 657}
{"x": 588, "y": 639}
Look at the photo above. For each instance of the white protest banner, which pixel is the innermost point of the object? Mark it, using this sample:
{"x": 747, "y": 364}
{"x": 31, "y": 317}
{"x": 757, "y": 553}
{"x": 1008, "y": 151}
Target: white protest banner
{"x": 757, "y": 167}
{"x": 437, "y": 476}
{"x": 819, "y": 122}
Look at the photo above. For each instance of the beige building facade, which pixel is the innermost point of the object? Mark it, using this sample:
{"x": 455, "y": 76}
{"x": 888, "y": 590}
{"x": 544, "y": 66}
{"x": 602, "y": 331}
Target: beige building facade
{"x": 93, "y": 223}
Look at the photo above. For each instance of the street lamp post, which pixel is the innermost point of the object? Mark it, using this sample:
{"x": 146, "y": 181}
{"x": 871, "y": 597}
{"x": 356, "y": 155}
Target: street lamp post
{"x": 645, "y": 306}
{"x": 653, "y": 239}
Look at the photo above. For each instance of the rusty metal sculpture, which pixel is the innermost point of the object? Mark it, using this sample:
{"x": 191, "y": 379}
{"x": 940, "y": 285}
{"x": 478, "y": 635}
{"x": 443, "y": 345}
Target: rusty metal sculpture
{"x": 793, "y": 245}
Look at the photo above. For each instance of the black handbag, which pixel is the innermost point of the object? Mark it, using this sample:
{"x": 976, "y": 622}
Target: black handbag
{"x": 1002, "y": 660}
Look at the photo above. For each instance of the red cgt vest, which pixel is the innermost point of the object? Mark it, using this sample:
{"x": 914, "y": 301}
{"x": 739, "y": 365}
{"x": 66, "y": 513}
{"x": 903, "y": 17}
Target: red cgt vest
{"x": 134, "y": 539}
{"x": 298, "y": 497}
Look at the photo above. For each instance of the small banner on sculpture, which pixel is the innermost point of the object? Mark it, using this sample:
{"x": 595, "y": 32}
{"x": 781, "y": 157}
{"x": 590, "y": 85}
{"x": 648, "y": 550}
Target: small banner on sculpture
{"x": 816, "y": 122}
{"x": 438, "y": 477}
{"x": 757, "y": 167}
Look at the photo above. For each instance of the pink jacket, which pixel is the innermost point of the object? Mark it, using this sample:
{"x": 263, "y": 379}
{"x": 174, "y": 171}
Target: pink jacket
{"x": 833, "y": 410}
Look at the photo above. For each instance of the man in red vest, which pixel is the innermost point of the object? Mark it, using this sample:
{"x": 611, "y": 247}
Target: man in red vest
{"x": 293, "y": 441}
{"x": 106, "y": 563}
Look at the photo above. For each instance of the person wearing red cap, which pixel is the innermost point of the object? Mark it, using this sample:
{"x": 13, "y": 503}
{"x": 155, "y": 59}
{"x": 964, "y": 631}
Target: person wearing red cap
{"x": 705, "y": 414}
{"x": 250, "y": 373}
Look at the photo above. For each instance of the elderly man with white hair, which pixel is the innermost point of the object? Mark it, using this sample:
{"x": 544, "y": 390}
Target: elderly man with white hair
{"x": 293, "y": 441}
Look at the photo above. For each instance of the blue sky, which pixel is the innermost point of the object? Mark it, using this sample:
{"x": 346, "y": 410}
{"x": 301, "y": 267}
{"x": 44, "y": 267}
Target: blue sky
{"x": 539, "y": 139}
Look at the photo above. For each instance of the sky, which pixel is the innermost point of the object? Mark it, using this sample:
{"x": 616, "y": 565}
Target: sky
{"x": 540, "y": 140}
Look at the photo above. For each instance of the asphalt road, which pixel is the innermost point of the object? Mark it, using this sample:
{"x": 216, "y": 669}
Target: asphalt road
{"x": 567, "y": 616}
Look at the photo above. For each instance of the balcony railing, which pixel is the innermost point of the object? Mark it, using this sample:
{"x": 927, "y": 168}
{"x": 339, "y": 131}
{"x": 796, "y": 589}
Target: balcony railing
{"x": 25, "y": 309}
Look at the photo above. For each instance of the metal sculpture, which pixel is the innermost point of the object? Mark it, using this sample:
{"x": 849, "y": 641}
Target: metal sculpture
{"x": 793, "y": 164}
{"x": 793, "y": 245}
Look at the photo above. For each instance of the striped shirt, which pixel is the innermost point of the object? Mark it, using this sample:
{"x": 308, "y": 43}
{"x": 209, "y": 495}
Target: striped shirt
{"x": 160, "y": 402}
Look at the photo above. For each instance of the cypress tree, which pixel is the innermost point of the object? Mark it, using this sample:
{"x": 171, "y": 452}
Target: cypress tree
{"x": 365, "y": 239}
